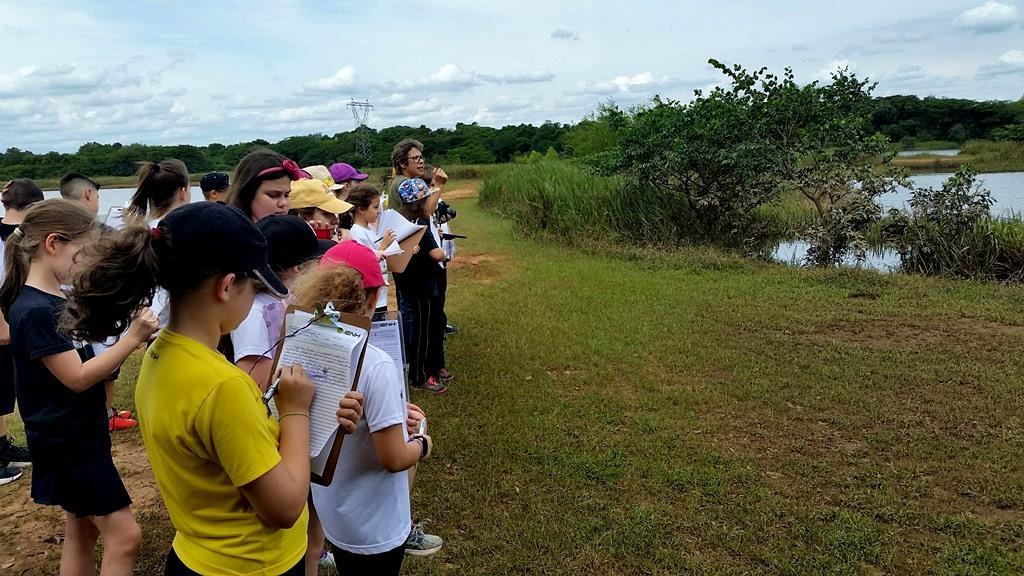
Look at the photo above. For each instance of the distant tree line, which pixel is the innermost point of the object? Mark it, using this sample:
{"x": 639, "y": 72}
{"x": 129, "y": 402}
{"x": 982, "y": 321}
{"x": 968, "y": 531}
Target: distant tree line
{"x": 903, "y": 120}
{"x": 465, "y": 144}
{"x": 909, "y": 119}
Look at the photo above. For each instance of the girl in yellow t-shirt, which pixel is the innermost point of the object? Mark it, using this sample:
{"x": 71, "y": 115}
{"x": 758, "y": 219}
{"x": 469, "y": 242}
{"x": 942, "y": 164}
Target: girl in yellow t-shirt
{"x": 234, "y": 480}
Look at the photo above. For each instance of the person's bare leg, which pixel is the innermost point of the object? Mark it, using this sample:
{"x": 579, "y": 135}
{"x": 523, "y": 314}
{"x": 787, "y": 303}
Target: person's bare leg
{"x": 314, "y": 541}
{"x": 122, "y": 538}
{"x": 78, "y": 554}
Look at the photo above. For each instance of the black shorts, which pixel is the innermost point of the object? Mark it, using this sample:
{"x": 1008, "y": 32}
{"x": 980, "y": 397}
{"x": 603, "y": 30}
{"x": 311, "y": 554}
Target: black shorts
{"x": 6, "y": 381}
{"x": 84, "y": 484}
{"x": 384, "y": 564}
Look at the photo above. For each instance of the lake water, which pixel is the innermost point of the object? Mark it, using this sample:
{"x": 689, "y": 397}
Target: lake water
{"x": 110, "y": 197}
{"x": 1007, "y": 193}
{"x": 912, "y": 153}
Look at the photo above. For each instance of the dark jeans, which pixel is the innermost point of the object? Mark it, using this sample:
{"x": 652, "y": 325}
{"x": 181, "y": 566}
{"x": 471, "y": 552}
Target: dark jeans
{"x": 438, "y": 322}
{"x": 175, "y": 567}
{"x": 384, "y": 564}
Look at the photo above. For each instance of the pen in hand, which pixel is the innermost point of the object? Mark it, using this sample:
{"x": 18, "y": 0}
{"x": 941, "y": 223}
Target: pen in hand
{"x": 269, "y": 394}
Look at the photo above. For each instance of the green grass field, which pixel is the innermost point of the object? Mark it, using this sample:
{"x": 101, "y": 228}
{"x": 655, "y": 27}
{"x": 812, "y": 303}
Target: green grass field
{"x": 693, "y": 413}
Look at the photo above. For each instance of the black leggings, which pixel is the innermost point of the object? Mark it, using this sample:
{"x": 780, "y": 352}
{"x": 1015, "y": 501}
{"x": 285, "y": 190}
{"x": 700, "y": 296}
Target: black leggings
{"x": 175, "y": 567}
{"x": 384, "y": 564}
{"x": 423, "y": 361}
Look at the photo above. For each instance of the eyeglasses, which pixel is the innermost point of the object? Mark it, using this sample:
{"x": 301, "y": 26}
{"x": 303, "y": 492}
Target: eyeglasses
{"x": 416, "y": 159}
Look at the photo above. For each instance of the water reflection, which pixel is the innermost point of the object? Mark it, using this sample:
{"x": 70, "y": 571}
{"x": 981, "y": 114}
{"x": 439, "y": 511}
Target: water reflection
{"x": 879, "y": 258}
{"x": 912, "y": 153}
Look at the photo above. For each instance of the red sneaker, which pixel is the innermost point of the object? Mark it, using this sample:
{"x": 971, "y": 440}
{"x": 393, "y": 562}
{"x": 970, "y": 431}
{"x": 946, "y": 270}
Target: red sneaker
{"x": 118, "y": 422}
{"x": 122, "y": 413}
{"x": 432, "y": 385}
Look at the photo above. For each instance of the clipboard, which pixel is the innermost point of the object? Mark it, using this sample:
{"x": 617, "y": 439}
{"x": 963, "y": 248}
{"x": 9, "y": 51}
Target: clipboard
{"x": 362, "y": 322}
{"x": 395, "y": 350}
{"x": 115, "y": 217}
{"x": 399, "y": 262}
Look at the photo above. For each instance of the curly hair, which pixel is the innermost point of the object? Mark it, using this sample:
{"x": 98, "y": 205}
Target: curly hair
{"x": 335, "y": 283}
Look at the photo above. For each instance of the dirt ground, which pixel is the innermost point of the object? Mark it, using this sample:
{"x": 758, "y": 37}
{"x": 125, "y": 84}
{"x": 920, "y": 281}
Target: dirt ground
{"x": 32, "y": 534}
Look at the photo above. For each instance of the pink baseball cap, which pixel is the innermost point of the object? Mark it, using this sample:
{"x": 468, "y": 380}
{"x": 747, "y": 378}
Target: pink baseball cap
{"x": 358, "y": 257}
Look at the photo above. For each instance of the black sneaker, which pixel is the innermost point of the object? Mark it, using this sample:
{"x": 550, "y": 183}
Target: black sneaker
{"x": 14, "y": 455}
{"x": 9, "y": 474}
{"x": 449, "y": 329}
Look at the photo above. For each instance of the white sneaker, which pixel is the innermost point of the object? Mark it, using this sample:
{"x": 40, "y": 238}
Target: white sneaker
{"x": 420, "y": 543}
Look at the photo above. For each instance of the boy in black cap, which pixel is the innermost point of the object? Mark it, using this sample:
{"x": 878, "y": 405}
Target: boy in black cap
{"x": 214, "y": 186}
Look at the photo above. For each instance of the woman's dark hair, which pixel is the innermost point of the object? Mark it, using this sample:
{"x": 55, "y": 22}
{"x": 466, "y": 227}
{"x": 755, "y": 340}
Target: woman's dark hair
{"x": 158, "y": 187}
{"x": 67, "y": 219}
{"x": 304, "y": 213}
{"x": 412, "y": 211}
{"x": 19, "y": 193}
{"x": 245, "y": 182}
{"x": 362, "y": 196}
{"x": 428, "y": 174}
{"x": 401, "y": 152}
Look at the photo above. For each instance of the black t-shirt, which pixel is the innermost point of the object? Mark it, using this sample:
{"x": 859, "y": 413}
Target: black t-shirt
{"x": 6, "y": 230}
{"x": 56, "y": 418}
{"x": 420, "y": 276}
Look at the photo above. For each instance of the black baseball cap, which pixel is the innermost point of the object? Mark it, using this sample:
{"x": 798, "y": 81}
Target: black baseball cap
{"x": 214, "y": 181}
{"x": 212, "y": 236}
{"x": 290, "y": 241}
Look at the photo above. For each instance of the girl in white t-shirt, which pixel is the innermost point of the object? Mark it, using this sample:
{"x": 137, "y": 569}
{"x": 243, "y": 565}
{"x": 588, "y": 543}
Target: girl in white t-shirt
{"x": 291, "y": 244}
{"x": 364, "y": 513}
{"x": 366, "y": 209}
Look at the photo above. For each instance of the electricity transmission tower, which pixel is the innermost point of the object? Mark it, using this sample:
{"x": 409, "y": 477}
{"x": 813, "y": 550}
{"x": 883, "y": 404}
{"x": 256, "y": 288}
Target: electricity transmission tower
{"x": 361, "y": 113}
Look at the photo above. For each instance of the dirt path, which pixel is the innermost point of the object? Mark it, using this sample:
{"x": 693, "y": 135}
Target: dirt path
{"x": 32, "y": 534}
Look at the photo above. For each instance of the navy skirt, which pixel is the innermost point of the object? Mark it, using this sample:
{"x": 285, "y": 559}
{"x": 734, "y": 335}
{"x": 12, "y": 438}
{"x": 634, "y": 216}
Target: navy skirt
{"x": 85, "y": 483}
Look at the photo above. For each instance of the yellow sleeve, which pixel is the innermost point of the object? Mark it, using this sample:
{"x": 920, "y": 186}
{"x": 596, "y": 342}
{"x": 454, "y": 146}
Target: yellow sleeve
{"x": 234, "y": 427}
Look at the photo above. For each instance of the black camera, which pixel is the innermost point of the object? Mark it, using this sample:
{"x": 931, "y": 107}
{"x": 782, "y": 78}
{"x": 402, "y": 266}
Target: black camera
{"x": 444, "y": 212}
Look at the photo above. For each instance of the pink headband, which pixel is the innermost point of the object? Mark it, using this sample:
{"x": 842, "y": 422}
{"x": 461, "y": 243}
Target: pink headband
{"x": 289, "y": 166}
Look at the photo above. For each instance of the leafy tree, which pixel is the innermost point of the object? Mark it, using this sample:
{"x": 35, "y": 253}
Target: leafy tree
{"x": 712, "y": 154}
{"x": 828, "y": 153}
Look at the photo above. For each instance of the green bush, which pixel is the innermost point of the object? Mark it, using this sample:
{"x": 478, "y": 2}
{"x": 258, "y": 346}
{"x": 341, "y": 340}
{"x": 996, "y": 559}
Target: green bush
{"x": 951, "y": 232}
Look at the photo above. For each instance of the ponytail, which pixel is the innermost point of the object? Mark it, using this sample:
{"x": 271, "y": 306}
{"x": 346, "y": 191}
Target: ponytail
{"x": 120, "y": 277}
{"x": 158, "y": 186}
{"x": 15, "y": 271}
{"x": 68, "y": 219}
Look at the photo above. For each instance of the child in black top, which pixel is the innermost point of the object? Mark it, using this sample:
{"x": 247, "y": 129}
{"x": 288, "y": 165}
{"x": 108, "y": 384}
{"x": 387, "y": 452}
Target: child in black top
{"x": 63, "y": 409}
{"x": 417, "y": 287}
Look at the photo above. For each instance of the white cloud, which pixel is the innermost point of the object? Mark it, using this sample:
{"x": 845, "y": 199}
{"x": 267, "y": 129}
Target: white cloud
{"x": 989, "y": 17}
{"x": 343, "y": 78}
{"x": 644, "y": 83}
{"x": 1010, "y": 63}
{"x": 532, "y": 77}
{"x": 833, "y": 67}
{"x": 1013, "y": 58}
{"x": 563, "y": 34}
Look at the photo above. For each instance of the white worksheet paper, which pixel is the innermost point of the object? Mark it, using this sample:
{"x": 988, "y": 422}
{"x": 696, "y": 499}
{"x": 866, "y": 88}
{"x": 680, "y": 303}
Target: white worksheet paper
{"x": 329, "y": 354}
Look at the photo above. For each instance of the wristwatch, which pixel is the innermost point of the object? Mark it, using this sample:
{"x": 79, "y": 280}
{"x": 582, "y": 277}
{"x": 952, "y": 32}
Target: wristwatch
{"x": 424, "y": 446}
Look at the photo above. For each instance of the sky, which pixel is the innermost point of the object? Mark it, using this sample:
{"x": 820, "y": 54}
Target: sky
{"x": 189, "y": 72}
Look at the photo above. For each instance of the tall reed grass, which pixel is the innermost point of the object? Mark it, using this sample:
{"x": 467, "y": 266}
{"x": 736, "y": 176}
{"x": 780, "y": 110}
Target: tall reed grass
{"x": 563, "y": 199}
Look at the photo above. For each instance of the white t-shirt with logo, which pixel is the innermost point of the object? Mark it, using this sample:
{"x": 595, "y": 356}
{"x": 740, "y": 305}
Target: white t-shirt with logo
{"x": 368, "y": 238}
{"x": 365, "y": 510}
{"x": 256, "y": 335}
